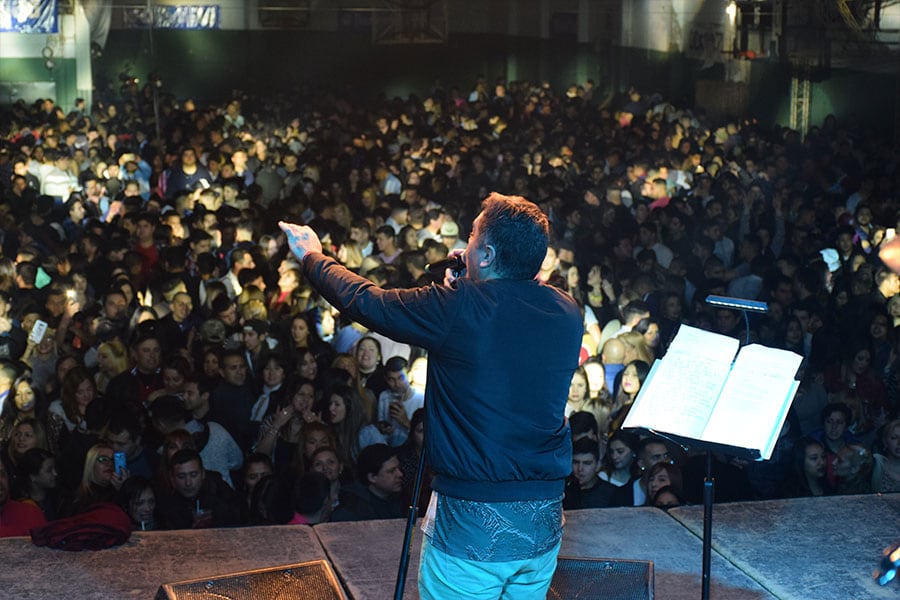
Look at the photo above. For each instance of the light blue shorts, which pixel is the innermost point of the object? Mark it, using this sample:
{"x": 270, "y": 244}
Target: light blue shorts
{"x": 446, "y": 577}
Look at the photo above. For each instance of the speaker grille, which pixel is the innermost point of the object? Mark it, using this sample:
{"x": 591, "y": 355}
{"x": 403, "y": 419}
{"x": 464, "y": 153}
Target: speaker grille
{"x": 309, "y": 581}
{"x": 586, "y": 578}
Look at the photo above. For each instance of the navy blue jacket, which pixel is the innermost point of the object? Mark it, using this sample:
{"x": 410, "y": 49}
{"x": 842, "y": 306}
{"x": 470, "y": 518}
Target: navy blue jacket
{"x": 501, "y": 354}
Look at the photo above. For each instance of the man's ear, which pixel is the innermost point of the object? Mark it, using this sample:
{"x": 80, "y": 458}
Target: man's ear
{"x": 489, "y": 255}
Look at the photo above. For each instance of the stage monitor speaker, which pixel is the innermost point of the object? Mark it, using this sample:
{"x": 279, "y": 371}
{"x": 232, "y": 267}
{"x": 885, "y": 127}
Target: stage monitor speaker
{"x": 314, "y": 580}
{"x": 601, "y": 578}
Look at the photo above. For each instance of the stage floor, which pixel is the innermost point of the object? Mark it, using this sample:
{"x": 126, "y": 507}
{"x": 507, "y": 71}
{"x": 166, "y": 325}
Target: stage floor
{"x": 822, "y": 548}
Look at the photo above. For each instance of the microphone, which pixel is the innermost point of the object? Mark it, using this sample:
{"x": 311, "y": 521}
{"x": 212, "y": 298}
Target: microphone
{"x": 456, "y": 264}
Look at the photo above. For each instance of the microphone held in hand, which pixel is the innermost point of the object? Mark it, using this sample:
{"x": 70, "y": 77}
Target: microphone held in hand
{"x": 456, "y": 264}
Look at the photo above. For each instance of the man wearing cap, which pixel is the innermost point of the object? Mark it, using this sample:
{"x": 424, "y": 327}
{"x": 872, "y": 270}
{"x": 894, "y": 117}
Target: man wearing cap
{"x": 450, "y": 236}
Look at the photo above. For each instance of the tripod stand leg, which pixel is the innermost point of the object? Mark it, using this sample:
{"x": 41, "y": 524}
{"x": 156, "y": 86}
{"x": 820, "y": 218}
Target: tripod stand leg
{"x": 410, "y": 527}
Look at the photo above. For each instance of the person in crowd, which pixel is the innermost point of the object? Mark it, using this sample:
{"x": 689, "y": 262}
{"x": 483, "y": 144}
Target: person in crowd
{"x": 834, "y": 435}
{"x": 133, "y": 388}
{"x": 376, "y": 492}
{"x": 280, "y": 432}
{"x": 664, "y": 486}
{"x": 256, "y": 466}
{"x": 37, "y": 482}
{"x": 346, "y": 419}
{"x": 585, "y": 489}
{"x": 231, "y": 402}
{"x": 199, "y": 498}
{"x": 270, "y": 502}
{"x": 112, "y": 360}
{"x": 396, "y": 406}
{"x": 99, "y": 480}
{"x": 807, "y": 477}
{"x": 886, "y": 471}
{"x": 620, "y": 465}
{"x": 369, "y": 361}
{"x": 16, "y": 518}
{"x": 325, "y": 460}
{"x": 137, "y": 498}
{"x": 632, "y": 379}
{"x": 311, "y": 499}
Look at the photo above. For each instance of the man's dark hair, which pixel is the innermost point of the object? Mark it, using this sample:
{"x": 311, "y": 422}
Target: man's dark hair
{"x": 396, "y": 364}
{"x": 27, "y": 271}
{"x": 386, "y": 230}
{"x": 583, "y": 422}
{"x": 231, "y": 353}
{"x": 371, "y": 459}
{"x": 840, "y": 407}
{"x": 183, "y": 456}
{"x": 635, "y": 308}
{"x": 123, "y": 421}
{"x": 519, "y": 233}
{"x": 586, "y": 446}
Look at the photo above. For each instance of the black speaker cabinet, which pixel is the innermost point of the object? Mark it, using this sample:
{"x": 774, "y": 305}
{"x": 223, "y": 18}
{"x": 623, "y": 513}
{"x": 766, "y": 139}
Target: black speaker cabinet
{"x": 314, "y": 580}
{"x": 601, "y": 579}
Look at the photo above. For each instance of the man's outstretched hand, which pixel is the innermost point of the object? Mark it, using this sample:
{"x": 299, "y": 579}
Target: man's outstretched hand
{"x": 301, "y": 239}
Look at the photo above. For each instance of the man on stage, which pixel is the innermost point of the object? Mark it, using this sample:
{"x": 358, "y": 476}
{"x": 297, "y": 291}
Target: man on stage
{"x": 501, "y": 351}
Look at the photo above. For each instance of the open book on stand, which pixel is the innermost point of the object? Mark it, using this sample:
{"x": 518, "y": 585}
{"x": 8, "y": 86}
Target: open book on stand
{"x": 700, "y": 391}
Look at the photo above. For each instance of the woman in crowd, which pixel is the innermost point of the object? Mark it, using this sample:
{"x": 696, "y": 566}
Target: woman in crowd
{"x": 28, "y": 433}
{"x": 349, "y": 364}
{"x": 346, "y": 419}
{"x": 175, "y": 369}
{"x": 37, "y": 482}
{"x": 807, "y": 476}
{"x": 30, "y": 403}
{"x": 98, "y": 479}
{"x": 307, "y": 367}
{"x": 793, "y": 336}
{"x": 313, "y": 435}
{"x": 853, "y": 381}
{"x": 886, "y": 473}
{"x": 620, "y": 466}
{"x": 633, "y": 377}
{"x": 371, "y": 370}
{"x": 69, "y": 414}
{"x": 325, "y": 460}
{"x": 649, "y": 328}
{"x": 580, "y": 398}
{"x": 256, "y": 466}
{"x": 137, "y": 498}
{"x": 112, "y": 359}
{"x": 664, "y": 485}
{"x": 279, "y": 433}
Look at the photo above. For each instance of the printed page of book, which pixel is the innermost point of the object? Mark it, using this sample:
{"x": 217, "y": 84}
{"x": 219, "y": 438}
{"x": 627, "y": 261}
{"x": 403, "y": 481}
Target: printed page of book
{"x": 755, "y": 400}
{"x": 682, "y": 389}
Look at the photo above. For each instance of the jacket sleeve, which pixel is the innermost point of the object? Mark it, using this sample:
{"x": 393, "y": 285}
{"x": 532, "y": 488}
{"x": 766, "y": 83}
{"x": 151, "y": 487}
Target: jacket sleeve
{"x": 420, "y": 316}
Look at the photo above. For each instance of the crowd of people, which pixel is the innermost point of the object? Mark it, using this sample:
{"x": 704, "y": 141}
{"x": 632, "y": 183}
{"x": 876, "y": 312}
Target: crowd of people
{"x": 161, "y": 349}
